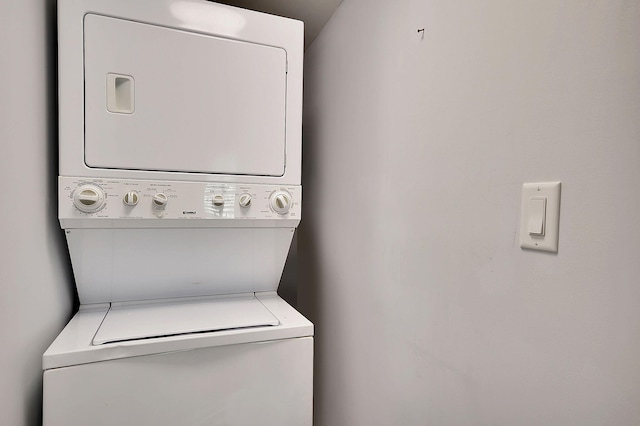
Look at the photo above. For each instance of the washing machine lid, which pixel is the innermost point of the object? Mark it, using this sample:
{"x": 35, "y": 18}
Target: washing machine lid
{"x": 74, "y": 345}
{"x": 142, "y": 320}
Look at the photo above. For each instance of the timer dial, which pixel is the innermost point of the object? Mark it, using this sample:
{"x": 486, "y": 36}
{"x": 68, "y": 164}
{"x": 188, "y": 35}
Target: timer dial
{"x": 88, "y": 198}
{"x": 280, "y": 202}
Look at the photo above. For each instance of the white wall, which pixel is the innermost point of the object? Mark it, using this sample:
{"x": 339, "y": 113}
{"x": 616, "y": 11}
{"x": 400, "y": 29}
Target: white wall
{"x": 35, "y": 280}
{"x": 427, "y": 312}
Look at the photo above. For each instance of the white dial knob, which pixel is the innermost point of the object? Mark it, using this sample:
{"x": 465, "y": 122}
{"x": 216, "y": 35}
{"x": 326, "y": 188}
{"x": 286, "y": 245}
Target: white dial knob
{"x": 218, "y": 200}
{"x": 130, "y": 198}
{"x": 280, "y": 202}
{"x": 244, "y": 200}
{"x": 159, "y": 200}
{"x": 88, "y": 198}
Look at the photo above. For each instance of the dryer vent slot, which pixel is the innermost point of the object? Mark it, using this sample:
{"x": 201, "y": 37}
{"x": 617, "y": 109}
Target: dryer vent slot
{"x": 120, "y": 93}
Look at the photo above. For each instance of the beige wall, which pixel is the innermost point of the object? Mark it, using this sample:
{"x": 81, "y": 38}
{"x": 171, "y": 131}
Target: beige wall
{"x": 427, "y": 312}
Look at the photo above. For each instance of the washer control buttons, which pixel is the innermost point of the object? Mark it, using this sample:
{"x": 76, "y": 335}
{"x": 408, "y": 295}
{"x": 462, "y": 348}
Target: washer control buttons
{"x": 218, "y": 200}
{"x": 88, "y": 198}
{"x": 131, "y": 198}
{"x": 280, "y": 202}
{"x": 244, "y": 200}
{"x": 159, "y": 200}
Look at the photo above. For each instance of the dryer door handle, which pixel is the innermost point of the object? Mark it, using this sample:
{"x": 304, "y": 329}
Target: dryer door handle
{"x": 120, "y": 93}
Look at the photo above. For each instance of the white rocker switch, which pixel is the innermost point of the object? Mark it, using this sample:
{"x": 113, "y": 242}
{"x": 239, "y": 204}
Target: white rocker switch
{"x": 540, "y": 216}
{"x": 537, "y": 212}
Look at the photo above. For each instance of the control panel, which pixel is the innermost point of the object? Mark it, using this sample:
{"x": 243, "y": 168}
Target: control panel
{"x": 114, "y": 199}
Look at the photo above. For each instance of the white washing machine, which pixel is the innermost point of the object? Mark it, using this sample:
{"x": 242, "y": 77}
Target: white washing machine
{"x": 179, "y": 192}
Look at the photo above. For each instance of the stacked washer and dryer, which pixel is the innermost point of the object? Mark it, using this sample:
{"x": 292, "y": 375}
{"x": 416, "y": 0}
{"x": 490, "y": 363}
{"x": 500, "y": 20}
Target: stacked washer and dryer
{"x": 179, "y": 193}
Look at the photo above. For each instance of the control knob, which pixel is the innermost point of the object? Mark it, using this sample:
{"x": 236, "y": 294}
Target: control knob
{"x": 159, "y": 200}
{"x": 244, "y": 200}
{"x": 280, "y": 202}
{"x": 88, "y": 198}
{"x": 131, "y": 198}
{"x": 218, "y": 200}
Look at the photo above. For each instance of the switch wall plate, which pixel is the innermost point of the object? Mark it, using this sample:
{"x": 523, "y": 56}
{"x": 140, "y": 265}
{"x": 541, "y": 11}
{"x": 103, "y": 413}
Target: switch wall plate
{"x": 531, "y": 221}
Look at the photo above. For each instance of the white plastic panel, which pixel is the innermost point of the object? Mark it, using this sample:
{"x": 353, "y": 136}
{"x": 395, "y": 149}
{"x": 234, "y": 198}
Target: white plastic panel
{"x": 189, "y": 204}
{"x": 220, "y": 101}
{"x": 129, "y": 321}
{"x": 113, "y": 265}
{"x": 267, "y": 383}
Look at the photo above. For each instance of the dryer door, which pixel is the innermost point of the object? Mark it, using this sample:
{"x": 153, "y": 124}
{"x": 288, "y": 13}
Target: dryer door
{"x": 165, "y": 99}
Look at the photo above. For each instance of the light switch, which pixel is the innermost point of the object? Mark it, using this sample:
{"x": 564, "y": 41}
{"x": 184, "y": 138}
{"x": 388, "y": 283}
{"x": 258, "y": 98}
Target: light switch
{"x": 540, "y": 216}
{"x": 537, "y": 210}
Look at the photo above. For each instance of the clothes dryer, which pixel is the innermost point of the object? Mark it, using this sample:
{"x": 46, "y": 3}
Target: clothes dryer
{"x": 179, "y": 193}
